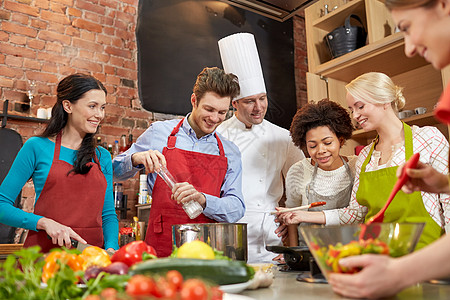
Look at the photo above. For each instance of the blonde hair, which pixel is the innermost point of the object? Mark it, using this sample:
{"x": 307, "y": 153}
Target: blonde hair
{"x": 377, "y": 88}
{"x": 407, "y": 4}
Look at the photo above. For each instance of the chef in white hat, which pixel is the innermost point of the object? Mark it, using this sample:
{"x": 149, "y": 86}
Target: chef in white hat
{"x": 267, "y": 149}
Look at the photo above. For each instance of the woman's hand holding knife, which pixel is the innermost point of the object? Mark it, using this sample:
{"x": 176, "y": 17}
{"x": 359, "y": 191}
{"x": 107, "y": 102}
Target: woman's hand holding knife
{"x": 60, "y": 234}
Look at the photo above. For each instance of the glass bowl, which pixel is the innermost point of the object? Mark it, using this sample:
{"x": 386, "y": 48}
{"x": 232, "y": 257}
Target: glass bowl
{"x": 330, "y": 243}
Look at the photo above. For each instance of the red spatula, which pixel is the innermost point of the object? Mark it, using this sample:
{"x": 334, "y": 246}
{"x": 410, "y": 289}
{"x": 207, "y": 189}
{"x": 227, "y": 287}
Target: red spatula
{"x": 378, "y": 218}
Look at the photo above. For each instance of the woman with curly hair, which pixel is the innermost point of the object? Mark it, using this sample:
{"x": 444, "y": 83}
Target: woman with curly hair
{"x": 374, "y": 101}
{"x": 320, "y": 129}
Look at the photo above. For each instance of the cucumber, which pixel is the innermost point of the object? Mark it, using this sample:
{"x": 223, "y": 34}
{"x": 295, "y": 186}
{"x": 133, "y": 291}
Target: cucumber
{"x": 220, "y": 272}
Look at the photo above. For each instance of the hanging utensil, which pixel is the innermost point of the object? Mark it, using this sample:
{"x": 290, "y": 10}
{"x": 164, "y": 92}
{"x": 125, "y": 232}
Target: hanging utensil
{"x": 379, "y": 217}
{"x": 314, "y": 204}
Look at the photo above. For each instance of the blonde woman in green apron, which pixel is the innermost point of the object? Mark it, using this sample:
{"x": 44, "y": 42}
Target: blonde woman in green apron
{"x": 320, "y": 129}
{"x": 425, "y": 24}
{"x": 374, "y": 101}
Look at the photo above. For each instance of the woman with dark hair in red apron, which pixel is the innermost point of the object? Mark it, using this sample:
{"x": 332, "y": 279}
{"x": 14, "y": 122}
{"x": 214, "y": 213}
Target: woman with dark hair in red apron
{"x": 72, "y": 178}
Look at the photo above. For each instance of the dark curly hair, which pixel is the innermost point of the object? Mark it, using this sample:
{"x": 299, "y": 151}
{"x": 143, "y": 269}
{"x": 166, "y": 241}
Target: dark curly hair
{"x": 323, "y": 113}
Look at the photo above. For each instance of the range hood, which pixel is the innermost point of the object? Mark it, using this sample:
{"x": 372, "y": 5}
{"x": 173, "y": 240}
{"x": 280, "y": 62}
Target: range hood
{"x": 279, "y": 10}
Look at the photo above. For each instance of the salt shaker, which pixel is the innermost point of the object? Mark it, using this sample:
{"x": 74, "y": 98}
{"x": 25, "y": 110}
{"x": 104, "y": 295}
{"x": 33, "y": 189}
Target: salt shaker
{"x": 192, "y": 208}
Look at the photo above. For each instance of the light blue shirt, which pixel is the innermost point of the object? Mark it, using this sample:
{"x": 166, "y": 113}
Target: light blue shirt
{"x": 229, "y": 207}
{"x": 34, "y": 161}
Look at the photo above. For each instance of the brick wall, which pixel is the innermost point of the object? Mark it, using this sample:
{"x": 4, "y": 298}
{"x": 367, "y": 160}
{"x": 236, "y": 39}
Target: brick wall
{"x": 45, "y": 40}
{"x": 300, "y": 56}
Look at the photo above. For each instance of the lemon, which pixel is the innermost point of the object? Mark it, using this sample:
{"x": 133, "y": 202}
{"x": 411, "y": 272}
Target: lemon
{"x": 195, "y": 249}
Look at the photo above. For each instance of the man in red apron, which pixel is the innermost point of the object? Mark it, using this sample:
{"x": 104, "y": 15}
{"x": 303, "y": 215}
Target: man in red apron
{"x": 206, "y": 166}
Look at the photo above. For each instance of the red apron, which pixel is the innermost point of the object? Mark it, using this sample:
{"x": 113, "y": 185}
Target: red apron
{"x": 206, "y": 172}
{"x": 75, "y": 200}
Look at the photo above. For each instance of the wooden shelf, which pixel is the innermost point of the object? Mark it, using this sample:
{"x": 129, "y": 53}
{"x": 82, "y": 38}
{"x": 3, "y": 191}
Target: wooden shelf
{"x": 31, "y": 119}
{"x": 5, "y": 116}
{"x": 386, "y": 55}
{"x": 337, "y": 17}
{"x": 143, "y": 206}
{"x": 384, "y": 52}
{"x": 418, "y": 120}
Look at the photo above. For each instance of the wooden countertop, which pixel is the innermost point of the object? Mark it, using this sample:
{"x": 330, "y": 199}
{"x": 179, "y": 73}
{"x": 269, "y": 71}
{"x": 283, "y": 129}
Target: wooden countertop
{"x": 286, "y": 287}
{"x": 6, "y": 249}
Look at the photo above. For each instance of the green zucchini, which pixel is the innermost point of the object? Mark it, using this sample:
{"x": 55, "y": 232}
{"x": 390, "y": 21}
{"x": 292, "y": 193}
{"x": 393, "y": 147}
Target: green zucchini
{"x": 220, "y": 271}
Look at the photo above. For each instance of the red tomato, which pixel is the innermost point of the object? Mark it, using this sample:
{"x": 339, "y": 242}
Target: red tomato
{"x": 166, "y": 290}
{"x": 141, "y": 285}
{"x": 194, "y": 289}
{"x": 109, "y": 294}
{"x": 216, "y": 293}
{"x": 175, "y": 279}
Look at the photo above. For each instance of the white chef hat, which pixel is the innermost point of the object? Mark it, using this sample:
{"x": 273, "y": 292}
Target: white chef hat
{"x": 240, "y": 56}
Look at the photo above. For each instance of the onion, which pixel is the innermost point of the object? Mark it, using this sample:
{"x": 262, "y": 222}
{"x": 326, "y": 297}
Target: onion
{"x": 92, "y": 272}
{"x": 117, "y": 267}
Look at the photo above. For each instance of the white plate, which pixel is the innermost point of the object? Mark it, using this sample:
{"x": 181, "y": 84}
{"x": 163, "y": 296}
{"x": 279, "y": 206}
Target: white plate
{"x": 235, "y": 297}
{"x": 235, "y": 288}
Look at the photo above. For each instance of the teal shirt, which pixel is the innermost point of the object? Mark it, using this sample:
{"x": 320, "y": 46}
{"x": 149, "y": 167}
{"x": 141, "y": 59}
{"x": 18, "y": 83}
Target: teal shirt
{"x": 34, "y": 161}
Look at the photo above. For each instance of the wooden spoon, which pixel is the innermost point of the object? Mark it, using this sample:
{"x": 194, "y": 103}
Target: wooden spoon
{"x": 378, "y": 218}
{"x": 314, "y": 204}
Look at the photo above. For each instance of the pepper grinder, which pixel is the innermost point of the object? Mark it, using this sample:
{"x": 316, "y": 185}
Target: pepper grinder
{"x": 192, "y": 208}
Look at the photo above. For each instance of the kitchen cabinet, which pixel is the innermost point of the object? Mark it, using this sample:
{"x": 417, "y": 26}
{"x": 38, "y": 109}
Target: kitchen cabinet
{"x": 383, "y": 52}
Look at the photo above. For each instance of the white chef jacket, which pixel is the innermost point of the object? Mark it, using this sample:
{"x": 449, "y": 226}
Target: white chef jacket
{"x": 267, "y": 153}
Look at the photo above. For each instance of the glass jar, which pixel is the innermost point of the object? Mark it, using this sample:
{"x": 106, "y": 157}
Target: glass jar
{"x": 192, "y": 208}
{"x": 118, "y": 195}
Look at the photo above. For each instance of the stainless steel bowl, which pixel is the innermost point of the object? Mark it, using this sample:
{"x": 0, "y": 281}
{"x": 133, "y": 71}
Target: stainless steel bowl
{"x": 231, "y": 238}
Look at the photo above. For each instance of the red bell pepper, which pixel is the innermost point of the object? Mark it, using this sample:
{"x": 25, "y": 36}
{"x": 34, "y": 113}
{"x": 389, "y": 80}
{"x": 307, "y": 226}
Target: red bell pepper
{"x": 133, "y": 252}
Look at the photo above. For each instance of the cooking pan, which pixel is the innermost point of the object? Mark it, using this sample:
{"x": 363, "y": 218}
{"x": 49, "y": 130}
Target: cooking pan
{"x": 297, "y": 258}
{"x": 231, "y": 238}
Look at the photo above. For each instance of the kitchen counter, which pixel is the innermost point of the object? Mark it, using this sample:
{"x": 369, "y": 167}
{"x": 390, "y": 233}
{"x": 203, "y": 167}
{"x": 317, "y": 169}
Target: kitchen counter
{"x": 286, "y": 287}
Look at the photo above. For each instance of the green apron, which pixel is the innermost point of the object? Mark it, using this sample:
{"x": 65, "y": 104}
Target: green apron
{"x": 375, "y": 187}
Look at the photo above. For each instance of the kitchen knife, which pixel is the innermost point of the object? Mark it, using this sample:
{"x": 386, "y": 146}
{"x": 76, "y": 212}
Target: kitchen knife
{"x": 81, "y": 246}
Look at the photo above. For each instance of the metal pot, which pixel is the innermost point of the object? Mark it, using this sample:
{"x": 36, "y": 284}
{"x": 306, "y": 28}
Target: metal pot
{"x": 231, "y": 238}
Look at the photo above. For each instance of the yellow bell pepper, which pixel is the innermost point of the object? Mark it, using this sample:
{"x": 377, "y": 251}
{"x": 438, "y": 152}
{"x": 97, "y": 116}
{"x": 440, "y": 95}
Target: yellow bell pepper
{"x": 95, "y": 256}
{"x": 51, "y": 266}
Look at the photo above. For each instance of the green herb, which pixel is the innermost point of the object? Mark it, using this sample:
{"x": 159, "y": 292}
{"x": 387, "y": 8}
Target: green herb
{"x": 21, "y": 273}
{"x": 219, "y": 255}
{"x": 63, "y": 284}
